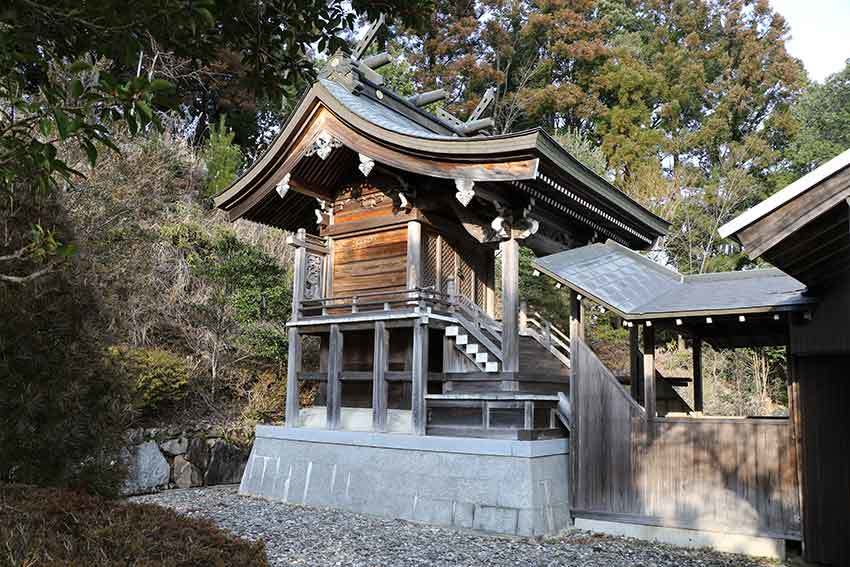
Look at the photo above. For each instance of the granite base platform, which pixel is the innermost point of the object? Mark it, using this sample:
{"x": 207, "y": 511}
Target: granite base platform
{"x": 499, "y": 486}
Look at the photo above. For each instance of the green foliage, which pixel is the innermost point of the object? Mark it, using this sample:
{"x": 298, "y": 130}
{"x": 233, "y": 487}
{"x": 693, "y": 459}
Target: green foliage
{"x": 584, "y": 150}
{"x": 54, "y": 527}
{"x": 823, "y": 113}
{"x": 541, "y": 294}
{"x": 223, "y": 159}
{"x": 158, "y": 377}
{"x": 245, "y": 283}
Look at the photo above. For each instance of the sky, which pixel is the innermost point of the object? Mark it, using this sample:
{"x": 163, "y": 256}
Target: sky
{"x": 820, "y": 33}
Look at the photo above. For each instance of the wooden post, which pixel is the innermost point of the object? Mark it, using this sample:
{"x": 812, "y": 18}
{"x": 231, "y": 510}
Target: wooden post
{"x": 576, "y": 319}
{"x": 490, "y": 288}
{"x": 298, "y": 274}
{"x": 379, "y": 381}
{"x": 697, "y": 361}
{"x": 649, "y": 371}
{"x": 334, "y": 387}
{"x": 523, "y": 315}
{"x": 414, "y": 254}
{"x": 510, "y": 305}
{"x": 420, "y": 376}
{"x": 635, "y": 358}
{"x": 293, "y": 367}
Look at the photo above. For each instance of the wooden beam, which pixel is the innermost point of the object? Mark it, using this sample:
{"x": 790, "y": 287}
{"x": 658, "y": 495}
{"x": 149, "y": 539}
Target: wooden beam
{"x": 420, "y": 377}
{"x": 510, "y": 305}
{"x": 380, "y": 365}
{"x": 649, "y": 371}
{"x": 635, "y": 359}
{"x": 414, "y": 254}
{"x": 334, "y": 387}
{"x": 697, "y": 361}
{"x": 293, "y": 367}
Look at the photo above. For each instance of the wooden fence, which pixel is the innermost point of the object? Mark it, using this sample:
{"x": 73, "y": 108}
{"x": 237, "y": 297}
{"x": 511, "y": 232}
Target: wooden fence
{"x": 730, "y": 475}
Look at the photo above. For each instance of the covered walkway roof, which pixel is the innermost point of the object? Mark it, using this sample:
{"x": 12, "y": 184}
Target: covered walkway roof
{"x": 711, "y": 305}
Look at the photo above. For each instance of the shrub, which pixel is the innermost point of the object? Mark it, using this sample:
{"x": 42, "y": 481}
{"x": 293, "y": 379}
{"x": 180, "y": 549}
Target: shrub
{"x": 42, "y": 526}
{"x": 62, "y": 411}
{"x": 157, "y": 376}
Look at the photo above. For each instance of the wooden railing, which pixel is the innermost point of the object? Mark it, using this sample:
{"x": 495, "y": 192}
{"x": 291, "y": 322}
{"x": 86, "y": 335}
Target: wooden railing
{"x": 376, "y": 301}
{"x": 550, "y": 337}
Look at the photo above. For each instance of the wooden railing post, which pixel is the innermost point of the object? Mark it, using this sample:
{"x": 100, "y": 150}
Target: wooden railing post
{"x": 299, "y": 268}
{"x": 649, "y": 371}
{"x": 379, "y": 382}
{"x": 635, "y": 359}
{"x": 334, "y": 386}
{"x": 293, "y": 367}
{"x": 697, "y": 362}
{"x": 420, "y": 376}
{"x": 523, "y": 315}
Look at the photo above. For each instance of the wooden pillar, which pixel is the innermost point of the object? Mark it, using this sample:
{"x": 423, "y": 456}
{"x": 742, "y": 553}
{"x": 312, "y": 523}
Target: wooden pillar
{"x": 420, "y": 376}
{"x": 380, "y": 363}
{"x": 293, "y": 367}
{"x": 414, "y": 254}
{"x": 523, "y": 315}
{"x": 490, "y": 288}
{"x": 576, "y": 318}
{"x": 510, "y": 305}
{"x": 697, "y": 362}
{"x": 649, "y": 371}
{"x": 635, "y": 359}
{"x": 334, "y": 387}
{"x": 298, "y": 274}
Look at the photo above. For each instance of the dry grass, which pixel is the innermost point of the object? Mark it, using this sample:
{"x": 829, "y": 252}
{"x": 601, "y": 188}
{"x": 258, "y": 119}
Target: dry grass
{"x": 47, "y": 527}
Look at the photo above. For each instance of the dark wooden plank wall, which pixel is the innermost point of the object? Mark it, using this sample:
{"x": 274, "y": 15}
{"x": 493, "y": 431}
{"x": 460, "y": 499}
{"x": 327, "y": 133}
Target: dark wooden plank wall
{"x": 824, "y": 399}
{"x": 731, "y": 475}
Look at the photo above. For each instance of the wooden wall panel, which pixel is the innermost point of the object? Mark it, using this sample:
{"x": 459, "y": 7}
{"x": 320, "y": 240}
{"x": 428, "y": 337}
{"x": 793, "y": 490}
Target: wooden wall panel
{"x": 827, "y": 332}
{"x": 371, "y": 262}
{"x": 728, "y": 475}
{"x": 824, "y": 399}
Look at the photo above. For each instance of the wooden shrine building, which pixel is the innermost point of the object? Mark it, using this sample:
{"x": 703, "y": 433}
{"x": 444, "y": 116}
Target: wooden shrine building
{"x": 438, "y": 395}
{"x": 398, "y": 216}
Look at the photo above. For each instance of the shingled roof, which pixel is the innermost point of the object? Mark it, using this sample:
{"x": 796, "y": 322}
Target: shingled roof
{"x": 636, "y": 288}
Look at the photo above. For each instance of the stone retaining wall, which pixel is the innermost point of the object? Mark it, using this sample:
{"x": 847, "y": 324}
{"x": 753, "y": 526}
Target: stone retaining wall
{"x": 158, "y": 459}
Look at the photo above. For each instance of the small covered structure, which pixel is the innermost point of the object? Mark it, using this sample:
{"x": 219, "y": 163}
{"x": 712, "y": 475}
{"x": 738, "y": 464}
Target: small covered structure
{"x": 727, "y": 310}
{"x": 804, "y": 231}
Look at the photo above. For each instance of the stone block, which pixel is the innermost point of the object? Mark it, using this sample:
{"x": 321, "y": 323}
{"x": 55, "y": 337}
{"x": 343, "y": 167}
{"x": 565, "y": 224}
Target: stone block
{"x": 496, "y": 519}
{"x": 198, "y": 453}
{"x": 226, "y": 463}
{"x": 185, "y": 474}
{"x": 433, "y": 511}
{"x": 463, "y": 514}
{"x": 174, "y": 447}
{"x": 147, "y": 469}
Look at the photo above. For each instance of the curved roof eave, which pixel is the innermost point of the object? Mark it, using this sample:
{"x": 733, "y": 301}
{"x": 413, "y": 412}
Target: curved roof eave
{"x": 460, "y": 149}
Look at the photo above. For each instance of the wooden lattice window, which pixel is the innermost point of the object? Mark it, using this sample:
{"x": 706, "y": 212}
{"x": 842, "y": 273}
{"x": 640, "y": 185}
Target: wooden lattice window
{"x": 447, "y": 268}
{"x": 429, "y": 260}
{"x": 466, "y": 278}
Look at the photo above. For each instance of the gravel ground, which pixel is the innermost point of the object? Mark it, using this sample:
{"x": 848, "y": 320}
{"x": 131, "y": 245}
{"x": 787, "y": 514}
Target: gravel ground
{"x": 297, "y": 535}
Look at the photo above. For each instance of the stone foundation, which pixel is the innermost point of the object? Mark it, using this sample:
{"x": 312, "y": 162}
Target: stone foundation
{"x": 500, "y": 486}
{"x": 158, "y": 459}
